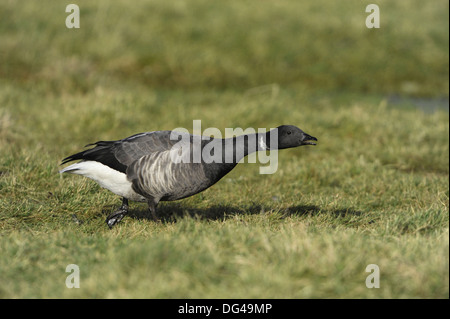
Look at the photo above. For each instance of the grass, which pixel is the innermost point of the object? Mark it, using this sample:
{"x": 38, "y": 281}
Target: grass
{"x": 374, "y": 191}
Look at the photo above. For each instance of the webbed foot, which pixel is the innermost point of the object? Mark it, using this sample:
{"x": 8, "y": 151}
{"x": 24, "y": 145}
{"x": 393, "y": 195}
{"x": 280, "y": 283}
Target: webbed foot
{"x": 117, "y": 216}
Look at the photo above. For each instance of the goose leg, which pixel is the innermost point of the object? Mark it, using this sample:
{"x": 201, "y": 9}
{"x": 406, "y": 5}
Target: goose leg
{"x": 152, "y": 208}
{"x": 117, "y": 216}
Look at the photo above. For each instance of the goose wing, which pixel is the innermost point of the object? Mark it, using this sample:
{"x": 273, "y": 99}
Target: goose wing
{"x": 120, "y": 154}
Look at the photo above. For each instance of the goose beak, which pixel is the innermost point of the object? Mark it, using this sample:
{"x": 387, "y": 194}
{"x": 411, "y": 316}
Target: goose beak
{"x": 308, "y": 140}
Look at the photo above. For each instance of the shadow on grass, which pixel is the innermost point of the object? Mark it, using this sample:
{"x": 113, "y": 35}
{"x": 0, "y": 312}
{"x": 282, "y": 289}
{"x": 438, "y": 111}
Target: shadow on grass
{"x": 174, "y": 211}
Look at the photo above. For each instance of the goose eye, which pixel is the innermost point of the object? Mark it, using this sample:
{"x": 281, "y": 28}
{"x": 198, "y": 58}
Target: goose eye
{"x": 288, "y": 132}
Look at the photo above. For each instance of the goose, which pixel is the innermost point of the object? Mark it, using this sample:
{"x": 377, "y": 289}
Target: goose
{"x": 162, "y": 165}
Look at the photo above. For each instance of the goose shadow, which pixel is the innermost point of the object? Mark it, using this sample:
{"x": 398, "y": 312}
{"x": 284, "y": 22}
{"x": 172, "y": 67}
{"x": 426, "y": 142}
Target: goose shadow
{"x": 169, "y": 213}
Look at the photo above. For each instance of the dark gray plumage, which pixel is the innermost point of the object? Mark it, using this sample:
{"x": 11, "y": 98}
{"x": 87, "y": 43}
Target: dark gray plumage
{"x": 167, "y": 165}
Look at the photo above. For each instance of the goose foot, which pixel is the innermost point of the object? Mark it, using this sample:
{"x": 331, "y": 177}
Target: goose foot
{"x": 117, "y": 216}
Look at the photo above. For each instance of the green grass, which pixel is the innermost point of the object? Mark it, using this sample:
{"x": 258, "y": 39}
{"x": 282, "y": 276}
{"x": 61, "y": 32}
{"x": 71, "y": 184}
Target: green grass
{"x": 374, "y": 191}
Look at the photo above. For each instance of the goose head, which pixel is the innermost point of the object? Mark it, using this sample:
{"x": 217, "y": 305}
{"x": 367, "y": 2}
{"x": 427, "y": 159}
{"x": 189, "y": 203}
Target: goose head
{"x": 291, "y": 136}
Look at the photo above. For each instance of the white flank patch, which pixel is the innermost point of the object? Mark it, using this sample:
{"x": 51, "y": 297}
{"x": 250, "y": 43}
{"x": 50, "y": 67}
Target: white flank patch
{"x": 262, "y": 145}
{"x": 106, "y": 177}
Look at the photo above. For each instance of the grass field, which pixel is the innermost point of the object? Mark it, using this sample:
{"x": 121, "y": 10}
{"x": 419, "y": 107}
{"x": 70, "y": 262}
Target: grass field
{"x": 374, "y": 191}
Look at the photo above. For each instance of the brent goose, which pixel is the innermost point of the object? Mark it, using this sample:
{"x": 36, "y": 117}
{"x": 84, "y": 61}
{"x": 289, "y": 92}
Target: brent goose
{"x": 152, "y": 167}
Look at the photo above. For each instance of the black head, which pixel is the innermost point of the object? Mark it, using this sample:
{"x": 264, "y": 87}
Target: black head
{"x": 291, "y": 136}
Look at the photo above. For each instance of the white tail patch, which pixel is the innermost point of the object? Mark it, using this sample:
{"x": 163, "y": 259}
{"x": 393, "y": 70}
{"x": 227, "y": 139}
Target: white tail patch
{"x": 106, "y": 177}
